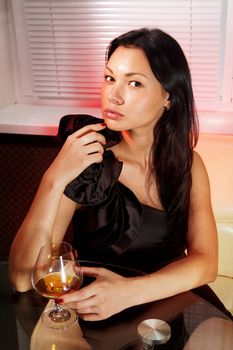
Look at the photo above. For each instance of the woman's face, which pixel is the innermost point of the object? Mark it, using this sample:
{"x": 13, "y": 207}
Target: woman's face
{"x": 131, "y": 95}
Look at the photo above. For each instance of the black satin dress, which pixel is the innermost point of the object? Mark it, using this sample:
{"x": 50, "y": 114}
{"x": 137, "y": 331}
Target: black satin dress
{"x": 111, "y": 226}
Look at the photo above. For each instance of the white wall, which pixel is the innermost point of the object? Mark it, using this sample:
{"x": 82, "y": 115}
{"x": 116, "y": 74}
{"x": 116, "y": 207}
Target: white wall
{"x": 7, "y": 94}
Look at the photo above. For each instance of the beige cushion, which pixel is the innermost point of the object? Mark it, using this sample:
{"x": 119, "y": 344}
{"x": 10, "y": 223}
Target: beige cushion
{"x": 223, "y": 287}
{"x": 225, "y": 239}
{"x": 217, "y": 154}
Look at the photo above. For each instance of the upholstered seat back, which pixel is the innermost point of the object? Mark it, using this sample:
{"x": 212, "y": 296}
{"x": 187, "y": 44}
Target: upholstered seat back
{"x": 217, "y": 153}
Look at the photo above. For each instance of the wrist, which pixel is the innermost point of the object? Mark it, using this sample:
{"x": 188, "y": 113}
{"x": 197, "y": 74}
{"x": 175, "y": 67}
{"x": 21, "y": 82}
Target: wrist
{"x": 137, "y": 291}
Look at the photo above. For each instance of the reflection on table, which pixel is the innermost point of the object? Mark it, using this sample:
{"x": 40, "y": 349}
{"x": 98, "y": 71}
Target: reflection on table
{"x": 195, "y": 324}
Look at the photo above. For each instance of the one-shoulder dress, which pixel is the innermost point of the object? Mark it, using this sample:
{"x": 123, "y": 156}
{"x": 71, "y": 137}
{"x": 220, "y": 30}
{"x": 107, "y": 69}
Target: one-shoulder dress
{"x": 111, "y": 226}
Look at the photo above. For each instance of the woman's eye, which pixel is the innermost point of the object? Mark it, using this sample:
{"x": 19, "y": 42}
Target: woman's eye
{"x": 108, "y": 78}
{"x": 135, "y": 83}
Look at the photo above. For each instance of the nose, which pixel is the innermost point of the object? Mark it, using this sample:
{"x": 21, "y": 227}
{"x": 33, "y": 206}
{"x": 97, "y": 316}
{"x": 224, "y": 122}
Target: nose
{"x": 115, "y": 98}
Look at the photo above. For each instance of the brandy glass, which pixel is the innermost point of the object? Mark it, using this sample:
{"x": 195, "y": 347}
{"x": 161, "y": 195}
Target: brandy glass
{"x": 57, "y": 272}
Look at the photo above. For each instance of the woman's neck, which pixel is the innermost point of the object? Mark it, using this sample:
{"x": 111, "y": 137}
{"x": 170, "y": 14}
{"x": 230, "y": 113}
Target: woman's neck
{"x": 137, "y": 146}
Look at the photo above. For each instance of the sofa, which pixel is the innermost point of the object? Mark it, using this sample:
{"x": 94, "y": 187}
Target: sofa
{"x": 217, "y": 154}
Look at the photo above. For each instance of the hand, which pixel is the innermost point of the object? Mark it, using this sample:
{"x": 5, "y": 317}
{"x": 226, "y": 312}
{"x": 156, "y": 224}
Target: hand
{"x": 81, "y": 149}
{"x": 104, "y": 297}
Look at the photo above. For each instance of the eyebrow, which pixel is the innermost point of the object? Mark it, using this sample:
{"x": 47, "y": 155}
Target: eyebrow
{"x": 130, "y": 74}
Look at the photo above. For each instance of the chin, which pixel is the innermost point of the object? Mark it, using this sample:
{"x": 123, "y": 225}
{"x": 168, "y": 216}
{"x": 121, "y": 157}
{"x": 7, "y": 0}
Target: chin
{"x": 112, "y": 125}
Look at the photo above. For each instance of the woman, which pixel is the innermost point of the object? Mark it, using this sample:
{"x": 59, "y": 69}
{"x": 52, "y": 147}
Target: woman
{"x": 139, "y": 192}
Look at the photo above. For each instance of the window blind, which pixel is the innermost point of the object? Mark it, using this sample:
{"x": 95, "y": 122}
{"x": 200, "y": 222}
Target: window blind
{"x": 66, "y": 42}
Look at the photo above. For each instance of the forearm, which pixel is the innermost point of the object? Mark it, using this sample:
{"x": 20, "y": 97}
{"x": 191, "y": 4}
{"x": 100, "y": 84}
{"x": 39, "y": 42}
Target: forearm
{"x": 178, "y": 277}
{"x": 36, "y": 230}
{"x": 111, "y": 293}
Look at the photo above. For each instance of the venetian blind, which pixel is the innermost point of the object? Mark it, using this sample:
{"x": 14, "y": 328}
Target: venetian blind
{"x": 66, "y": 42}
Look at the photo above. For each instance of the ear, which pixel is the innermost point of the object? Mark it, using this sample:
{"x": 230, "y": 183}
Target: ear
{"x": 167, "y": 103}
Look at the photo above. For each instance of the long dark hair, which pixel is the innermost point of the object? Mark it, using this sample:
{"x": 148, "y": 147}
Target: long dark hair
{"x": 176, "y": 132}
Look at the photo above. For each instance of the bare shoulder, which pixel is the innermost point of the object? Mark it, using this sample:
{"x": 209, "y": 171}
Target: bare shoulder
{"x": 198, "y": 168}
{"x": 200, "y": 180}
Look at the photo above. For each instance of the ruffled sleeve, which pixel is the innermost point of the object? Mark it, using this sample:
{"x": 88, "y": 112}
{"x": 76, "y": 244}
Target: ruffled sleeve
{"x": 110, "y": 216}
{"x": 96, "y": 183}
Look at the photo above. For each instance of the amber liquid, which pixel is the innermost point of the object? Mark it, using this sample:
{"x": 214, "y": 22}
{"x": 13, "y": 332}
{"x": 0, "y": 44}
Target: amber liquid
{"x": 52, "y": 285}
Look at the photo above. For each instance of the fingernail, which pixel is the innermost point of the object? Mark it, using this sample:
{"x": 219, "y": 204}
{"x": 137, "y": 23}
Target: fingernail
{"x": 59, "y": 301}
{"x": 103, "y": 124}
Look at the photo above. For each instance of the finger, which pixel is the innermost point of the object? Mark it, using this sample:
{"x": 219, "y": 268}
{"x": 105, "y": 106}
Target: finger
{"x": 80, "y": 295}
{"x": 94, "y": 158}
{"x": 93, "y": 271}
{"x": 92, "y": 137}
{"x": 88, "y": 128}
{"x": 90, "y": 317}
{"x": 97, "y": 272}
{"x": 83, "y": 310}
{"x": 87, "y": 306}
{"x": 95, "y": 147}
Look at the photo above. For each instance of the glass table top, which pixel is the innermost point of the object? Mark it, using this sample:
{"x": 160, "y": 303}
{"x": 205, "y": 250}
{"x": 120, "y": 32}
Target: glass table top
{"x": 194, "y": 324}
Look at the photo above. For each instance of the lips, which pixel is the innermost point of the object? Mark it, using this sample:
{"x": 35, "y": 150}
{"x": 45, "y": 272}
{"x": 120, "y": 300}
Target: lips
{"x": 111, "y": 114}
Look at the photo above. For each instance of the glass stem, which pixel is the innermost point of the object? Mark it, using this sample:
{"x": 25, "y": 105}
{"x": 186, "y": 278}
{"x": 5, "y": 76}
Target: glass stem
{"x": 58, "y": 307}
{"x": 149, "y": 347}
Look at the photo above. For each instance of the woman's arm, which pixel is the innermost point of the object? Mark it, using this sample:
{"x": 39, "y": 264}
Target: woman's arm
{"x": 111, "y": 293}
{"x": 200, "y": 265}
{"x": 51, "y": 212}
{"x": 36, "y": 230}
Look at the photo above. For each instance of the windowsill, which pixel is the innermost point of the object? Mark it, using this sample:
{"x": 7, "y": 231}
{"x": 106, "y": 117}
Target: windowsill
{"x": 44, "y": 120}
{"x": 36, "y": 119}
